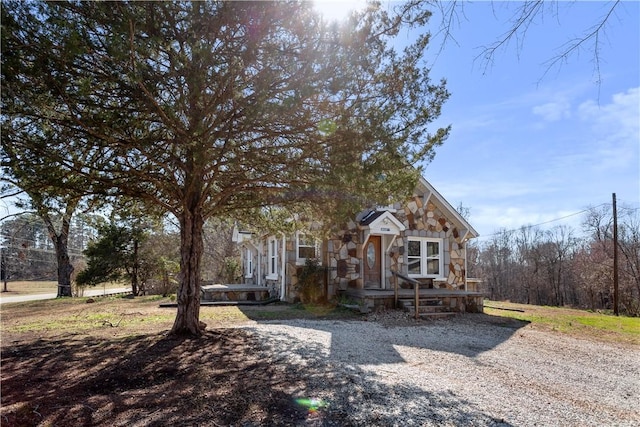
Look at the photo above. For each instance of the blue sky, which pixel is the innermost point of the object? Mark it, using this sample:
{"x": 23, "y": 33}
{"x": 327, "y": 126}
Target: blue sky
{"x": 528, "y": 147}
{"x": 529, "y": 144}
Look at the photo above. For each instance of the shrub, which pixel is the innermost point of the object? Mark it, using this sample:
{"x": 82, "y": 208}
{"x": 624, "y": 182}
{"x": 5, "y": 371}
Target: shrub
{"x": 310, "y": 284}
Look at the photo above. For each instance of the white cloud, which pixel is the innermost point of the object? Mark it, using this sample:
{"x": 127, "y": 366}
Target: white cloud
{"x": 615, "y": 129}
{"x": 553, "y": 111}
{"x": 622, "y": 115}
{"x": 488, "y": 188}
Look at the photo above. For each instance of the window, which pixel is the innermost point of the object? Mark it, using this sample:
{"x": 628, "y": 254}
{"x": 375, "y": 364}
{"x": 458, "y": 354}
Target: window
{"x": 248, "y": 264}
{"x": 424, "y": 257}
{"x": 272, "y": 258}
{"x": 306, "y": 247}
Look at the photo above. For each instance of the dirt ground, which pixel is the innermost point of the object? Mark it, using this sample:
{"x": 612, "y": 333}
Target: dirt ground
{"x": 124, "y": 370}
{"x": 117, "y": 366}
{"x": 92, "y": 381}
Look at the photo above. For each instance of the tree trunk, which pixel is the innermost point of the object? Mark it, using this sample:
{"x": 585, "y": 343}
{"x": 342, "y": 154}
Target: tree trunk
{"x": 64, "y": 266}
{"x": 60, "y": 240}
{"x": 3, "y": 270}
{"x": 191, "y": 247}
{"x": 61, "y": 243}
{"x": 135, "y": 268}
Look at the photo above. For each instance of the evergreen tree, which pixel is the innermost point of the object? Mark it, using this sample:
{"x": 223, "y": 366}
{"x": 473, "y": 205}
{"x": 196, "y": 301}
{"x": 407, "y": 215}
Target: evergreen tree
{"x": 211, "y": 109}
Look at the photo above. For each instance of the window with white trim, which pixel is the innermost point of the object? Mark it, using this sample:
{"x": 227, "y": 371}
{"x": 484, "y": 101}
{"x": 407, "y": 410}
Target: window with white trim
{"x": 424, "y": 257}
{"x": 306, "y": 247}
{"x": 248, "y": 263}
{"x": 272, "y": 258}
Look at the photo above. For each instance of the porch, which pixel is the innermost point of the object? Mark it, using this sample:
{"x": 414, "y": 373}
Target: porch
{"x": 421, "y": 301}
{"x": 233, "y": 293}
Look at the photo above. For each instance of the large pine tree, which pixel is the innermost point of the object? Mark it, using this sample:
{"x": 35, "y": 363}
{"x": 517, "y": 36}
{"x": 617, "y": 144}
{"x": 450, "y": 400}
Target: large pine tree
{"x": 215, "y": 108}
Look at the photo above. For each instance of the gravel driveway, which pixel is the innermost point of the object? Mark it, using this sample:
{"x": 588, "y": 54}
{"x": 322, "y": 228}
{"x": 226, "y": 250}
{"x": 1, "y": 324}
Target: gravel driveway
{"x": 464, "y": 371}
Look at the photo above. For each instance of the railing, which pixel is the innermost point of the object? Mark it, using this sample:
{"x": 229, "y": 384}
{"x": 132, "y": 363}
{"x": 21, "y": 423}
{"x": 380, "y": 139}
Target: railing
{"x": 416, "y": 288}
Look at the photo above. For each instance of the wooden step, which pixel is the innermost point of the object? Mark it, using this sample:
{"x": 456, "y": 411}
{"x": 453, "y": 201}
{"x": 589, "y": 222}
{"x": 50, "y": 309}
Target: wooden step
{"x": 438, "y": 315}
{"x": 427, "y": 302}
{"x": 428, "y": 308}
{"x": 433, "y": 314}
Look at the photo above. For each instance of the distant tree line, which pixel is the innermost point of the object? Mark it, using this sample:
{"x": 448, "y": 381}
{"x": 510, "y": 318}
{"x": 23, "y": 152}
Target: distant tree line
{"x": 139, "y": 252}
{"x": 28, "y": 252}
{"x": 561, "y": 266}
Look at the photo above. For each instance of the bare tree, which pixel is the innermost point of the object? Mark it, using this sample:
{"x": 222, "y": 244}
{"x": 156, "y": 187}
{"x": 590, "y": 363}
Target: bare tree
{"x": 556, "y": 267}
{"x": 529, "y": 13}
{"x": 629, "y": 245}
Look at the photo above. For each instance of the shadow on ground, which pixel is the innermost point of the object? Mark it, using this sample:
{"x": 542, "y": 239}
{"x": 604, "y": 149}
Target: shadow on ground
{"x": 467, "y": 334}
{"x": 228, "y": 377}
{"x": 146, "y": 380}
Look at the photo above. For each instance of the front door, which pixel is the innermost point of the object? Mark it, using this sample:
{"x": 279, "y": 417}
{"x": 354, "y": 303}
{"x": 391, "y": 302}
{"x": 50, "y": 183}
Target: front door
{"x": 372, "y": 263}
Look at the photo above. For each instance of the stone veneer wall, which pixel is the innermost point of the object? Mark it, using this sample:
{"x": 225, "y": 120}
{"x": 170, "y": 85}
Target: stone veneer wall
{"x": 430, "y": 221}
{"x": 342, "y": 259}
{"x": 342, "y": 253}
{"x": 344, "y": 250}
{"x": 291, "y": 270}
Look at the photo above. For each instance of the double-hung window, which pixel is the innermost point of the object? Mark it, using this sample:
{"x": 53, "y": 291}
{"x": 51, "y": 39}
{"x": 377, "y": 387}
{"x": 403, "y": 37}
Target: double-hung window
{"x": 306, "y": 247}
{"x": 424, "y": 257}
{"x": 248, "y": 263}
{"x": 272, "y": 258}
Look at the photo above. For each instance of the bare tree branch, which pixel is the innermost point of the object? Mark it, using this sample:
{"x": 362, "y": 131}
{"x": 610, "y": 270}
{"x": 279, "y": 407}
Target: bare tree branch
{"x": 526, "y": 14}
{"x": 595, "y": 33}
{"x": 521, "y": 20}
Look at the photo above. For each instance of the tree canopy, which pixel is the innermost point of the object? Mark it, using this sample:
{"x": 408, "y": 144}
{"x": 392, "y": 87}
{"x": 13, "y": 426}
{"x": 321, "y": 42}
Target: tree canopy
{"x": 218, "y": 108}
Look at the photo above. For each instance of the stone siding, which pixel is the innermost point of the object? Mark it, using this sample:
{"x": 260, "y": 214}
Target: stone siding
{"x": 343, "y": 253}
{"x": 428, "y": 220}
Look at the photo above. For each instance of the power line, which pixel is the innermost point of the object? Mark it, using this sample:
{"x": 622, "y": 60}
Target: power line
{"x": 629, "y": 209}
{"x": 497, "y": 233}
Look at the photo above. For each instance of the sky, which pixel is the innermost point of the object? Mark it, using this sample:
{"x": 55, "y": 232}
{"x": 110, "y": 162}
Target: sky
{"x": 530, "y": 145}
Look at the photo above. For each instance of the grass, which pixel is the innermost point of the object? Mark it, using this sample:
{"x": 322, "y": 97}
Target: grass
{"x": 580, "y": 323}
{"x": 139, "y": 315}
{"x": 128, "y": 316}
{"x": 110, "y": 361}
{"x": 77, "y": 316}
{"x": 33, "y": 287}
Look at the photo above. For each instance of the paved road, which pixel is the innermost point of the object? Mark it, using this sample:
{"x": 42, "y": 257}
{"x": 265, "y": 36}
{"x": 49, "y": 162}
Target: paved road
{"x": 35, "y": 297}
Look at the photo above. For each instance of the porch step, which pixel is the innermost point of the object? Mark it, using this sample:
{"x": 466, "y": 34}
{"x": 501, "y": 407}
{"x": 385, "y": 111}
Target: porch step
{"x": 431, "y": 308}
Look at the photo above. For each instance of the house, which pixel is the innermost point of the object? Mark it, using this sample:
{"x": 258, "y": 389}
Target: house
{"x": 423, "y": 241}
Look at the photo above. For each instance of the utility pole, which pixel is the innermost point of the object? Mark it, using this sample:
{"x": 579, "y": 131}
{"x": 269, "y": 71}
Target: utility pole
{"x": 615, "y": 257}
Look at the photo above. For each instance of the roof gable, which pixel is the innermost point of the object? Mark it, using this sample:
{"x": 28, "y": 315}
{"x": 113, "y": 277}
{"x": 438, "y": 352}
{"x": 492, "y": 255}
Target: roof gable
{"x": 433, "y": 193}
{"x": 382, "y": 222}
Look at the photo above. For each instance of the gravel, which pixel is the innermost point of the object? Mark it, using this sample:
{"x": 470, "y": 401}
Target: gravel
{"x": 392, "y": 371}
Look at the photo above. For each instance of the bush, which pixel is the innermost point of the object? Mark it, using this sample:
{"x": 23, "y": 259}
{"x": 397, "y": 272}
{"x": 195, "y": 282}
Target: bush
{"x": 310, "y": 285}
{"x": 230, "y": 270}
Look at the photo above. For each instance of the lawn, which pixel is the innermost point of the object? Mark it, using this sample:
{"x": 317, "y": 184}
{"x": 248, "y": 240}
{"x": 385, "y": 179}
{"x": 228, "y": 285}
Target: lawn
{"x": 33, "y": 287}
{"x": 123, "y": 316}
{"x": 110, "y": 362}
{"x": 579, "y": 323}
